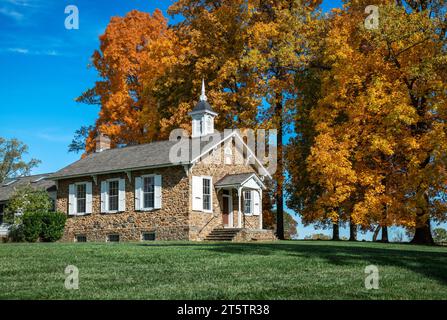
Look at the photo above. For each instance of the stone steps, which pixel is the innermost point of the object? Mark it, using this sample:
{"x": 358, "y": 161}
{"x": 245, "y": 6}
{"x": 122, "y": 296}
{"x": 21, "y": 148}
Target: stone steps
{"x": 222, "y": 234}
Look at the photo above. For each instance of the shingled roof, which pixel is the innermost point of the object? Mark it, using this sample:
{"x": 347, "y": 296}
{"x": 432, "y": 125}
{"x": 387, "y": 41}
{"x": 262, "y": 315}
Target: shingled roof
{"x": 9, "y": 186}
{"x": 232, "y": 179}
{"x": 202, "y": 106}
{"x": 155, "y": 154}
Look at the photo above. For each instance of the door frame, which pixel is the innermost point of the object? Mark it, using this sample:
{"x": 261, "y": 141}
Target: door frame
{"x": 230, "y": 208}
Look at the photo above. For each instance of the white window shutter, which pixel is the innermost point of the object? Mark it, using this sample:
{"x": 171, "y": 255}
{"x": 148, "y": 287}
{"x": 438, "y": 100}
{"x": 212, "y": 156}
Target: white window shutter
{"x": 256, "y": 203}
{"x": 197, "y": 193}
{"x": 89, "y": 198}
{"x": 138, "y": 192}
{"x": 104, "y": 205}
{"x": 122, "y": 195}
{"x": 157, "y": 192}
{"x": 72, "y": 199}
{"x": 211, "y": 193}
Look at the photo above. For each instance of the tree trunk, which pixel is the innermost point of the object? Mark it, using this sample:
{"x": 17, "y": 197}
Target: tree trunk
{"x": 376, "y": 233}
{"x": 422, "y": 233}
{"x": 335, "y": 231}
{"x": 384, "y": 234}
{"x": 280, "y": 172}
{"x": 352, "y": 230}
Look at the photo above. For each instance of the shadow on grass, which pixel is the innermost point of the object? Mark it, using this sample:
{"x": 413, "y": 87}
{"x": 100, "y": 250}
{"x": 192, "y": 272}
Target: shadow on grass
{"x": 431, "y": 264}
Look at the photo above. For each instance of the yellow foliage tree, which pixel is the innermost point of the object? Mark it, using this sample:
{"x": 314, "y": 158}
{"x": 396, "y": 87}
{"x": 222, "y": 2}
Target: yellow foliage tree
{"x": 379, "y": 153}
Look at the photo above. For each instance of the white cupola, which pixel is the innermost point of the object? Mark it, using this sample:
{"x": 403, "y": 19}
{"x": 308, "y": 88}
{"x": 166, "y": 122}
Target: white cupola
{"x": 202, "y": 116}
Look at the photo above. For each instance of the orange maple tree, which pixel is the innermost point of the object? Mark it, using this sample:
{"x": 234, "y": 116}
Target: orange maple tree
{"x": 135, "y": 51}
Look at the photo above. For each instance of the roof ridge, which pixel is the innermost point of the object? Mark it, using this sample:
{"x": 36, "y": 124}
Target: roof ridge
{"x": 134, "y": 145}
{"x": 30, "y": 176}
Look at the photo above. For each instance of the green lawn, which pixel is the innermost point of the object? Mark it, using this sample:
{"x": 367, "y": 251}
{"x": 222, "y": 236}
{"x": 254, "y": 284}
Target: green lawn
{"x": 184, "y": 270}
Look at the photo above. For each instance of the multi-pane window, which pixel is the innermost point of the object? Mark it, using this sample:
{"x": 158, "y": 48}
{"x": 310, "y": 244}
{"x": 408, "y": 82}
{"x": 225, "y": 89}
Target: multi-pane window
{"x": 81, "y": 238}
{"x": 247, "y": 202}
{"x": 148, "y": 192}
{"x": 81, "y": 197}
{"x": 113, "y": 195}
{"x": 206, "y": 194}
{"x": 148, "y": 236}
{"x": 113, "y": 238}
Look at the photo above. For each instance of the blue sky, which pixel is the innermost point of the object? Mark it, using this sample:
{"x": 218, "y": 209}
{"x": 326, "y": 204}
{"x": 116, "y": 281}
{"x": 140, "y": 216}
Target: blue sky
{"x": 44, "y": 68}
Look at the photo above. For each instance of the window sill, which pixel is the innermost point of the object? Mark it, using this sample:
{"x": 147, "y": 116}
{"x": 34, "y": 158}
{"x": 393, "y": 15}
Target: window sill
{"x": 147, "y": 210}
{"x": 202, "y": 211}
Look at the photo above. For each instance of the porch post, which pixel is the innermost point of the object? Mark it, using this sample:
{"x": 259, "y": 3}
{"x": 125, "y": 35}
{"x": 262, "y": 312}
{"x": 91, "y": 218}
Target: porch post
{"x": 260, "y": 208}
{"x": 239, "y": 217}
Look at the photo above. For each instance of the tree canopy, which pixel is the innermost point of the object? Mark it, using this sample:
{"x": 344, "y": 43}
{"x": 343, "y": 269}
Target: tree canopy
{"x": 12, "y": 162}
{"x": 367, "y": 106}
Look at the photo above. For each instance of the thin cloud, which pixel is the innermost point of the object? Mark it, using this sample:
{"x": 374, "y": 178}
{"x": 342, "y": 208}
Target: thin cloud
{"x": 19, "y": 50}
{"x": 53, "y": 136}
{"x": 34, "y": 52}
{"x": 11, "y": 14}
{"x": 22, "y": 3}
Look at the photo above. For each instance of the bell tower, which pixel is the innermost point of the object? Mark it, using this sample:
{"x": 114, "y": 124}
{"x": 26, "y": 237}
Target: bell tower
{"x": 202, "y": 116}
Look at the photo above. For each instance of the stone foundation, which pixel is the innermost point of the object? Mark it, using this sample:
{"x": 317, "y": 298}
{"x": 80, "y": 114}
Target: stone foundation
{"x": 255, "y": 235}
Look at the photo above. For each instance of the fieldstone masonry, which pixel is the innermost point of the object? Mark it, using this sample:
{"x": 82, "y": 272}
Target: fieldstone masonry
{"x": 168, "y": 223}
{"x": 175, "y": 221}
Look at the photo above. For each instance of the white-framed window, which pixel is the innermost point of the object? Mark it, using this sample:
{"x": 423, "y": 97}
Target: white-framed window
{"x": 113, "y": 195}
{"x": 148, "y": 192}
{"x": 206, "y": 194}
{"x": 202, "y": 193}
{"x": 248, "y": 203}
{"x": 80, "y": 198}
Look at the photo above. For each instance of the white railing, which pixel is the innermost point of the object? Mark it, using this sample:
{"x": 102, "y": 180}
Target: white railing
{"x": 4, "y": 230}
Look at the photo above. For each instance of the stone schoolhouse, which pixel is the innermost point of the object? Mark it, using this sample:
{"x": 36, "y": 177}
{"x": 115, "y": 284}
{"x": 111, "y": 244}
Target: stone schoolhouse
{"x": 139, "y": 193}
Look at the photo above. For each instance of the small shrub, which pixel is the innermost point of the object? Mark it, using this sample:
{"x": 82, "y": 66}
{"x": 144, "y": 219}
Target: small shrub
{"x": 53, "y": 224}
{"x": 32, "y": 226}
{"x": 16, "y": 233}
{"x": 48, "y": 226}
{"x": 439, "y": 235}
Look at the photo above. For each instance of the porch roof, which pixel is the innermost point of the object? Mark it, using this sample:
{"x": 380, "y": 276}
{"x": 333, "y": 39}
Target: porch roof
{"x": 241, "y": 179}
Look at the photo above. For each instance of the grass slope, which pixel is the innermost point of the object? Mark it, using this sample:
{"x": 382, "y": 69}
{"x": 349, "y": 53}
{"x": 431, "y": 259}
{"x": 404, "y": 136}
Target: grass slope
{"x": 183, "y": 270}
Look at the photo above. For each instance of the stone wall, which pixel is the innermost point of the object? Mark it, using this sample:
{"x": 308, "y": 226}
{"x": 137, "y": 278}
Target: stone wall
{"x": 202, "y": 223}
{"x": 169, "y": 223}
{"x": 255, "y": 235}
{"x": 176, "y": 220}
